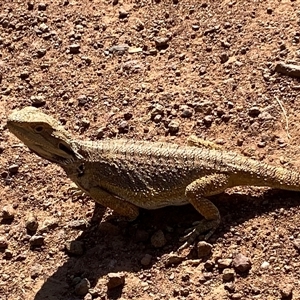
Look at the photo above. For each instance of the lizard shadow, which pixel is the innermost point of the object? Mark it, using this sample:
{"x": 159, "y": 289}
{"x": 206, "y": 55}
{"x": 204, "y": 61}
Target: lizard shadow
{"x": 120, "y": 246}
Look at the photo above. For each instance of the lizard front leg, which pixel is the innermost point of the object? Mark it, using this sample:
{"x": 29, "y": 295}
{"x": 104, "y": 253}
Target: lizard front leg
{"x": 196, "y": 193}
{"x": 121, "y": 206}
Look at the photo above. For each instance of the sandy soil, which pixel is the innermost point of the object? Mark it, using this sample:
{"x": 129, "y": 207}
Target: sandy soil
{"x": 149, "y": 70}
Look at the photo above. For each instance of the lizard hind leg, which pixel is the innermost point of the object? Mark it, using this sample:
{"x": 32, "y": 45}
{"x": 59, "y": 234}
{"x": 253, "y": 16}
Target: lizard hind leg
{"x": 194, "y": 141}
{"x": 196, "y": 193}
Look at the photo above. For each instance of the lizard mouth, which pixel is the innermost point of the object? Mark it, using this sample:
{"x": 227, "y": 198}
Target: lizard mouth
{"x": 66, "y": 149}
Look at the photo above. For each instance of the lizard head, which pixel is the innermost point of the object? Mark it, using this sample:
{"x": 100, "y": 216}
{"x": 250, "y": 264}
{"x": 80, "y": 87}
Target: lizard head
{"x": 42, "y": 134}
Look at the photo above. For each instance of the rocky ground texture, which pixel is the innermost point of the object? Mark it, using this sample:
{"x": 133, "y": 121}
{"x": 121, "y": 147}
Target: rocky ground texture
{"x": 151, "y": 70}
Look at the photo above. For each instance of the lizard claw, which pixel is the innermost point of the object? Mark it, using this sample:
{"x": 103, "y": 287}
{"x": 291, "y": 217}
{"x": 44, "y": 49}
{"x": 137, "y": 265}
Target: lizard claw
{"x": 200, "y": 227}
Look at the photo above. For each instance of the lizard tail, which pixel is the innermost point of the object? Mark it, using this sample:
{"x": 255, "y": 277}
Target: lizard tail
{"x": 277, "y": 177}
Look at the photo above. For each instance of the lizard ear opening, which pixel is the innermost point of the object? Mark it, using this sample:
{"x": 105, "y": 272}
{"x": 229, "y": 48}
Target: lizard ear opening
{"x": 66, "y": 149}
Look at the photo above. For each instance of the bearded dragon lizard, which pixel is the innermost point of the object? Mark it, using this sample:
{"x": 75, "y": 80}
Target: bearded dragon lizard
{"x": 126, "y": 175}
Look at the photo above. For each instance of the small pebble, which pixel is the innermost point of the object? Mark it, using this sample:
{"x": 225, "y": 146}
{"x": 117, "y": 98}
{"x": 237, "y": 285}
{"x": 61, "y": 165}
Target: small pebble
{"x": 141, "y": 235}
{"x": 5, "y": 276}
{"x": 74, "y": 48}
{"x": 8, "y": 254}
{"x": 100, "y": 133}
{"x": 24, "y": 75}
{"x": 2, "y": 147}
{"x": 123, "y": 127}
{"x": 157, "y": 109}
{"x": 7, "y": 213}
{"x": 184, "y": 292}
{"x": 254, "y": 111}
{"x": 236, "y": 296}
{"x": 139, "y": 25}
{"x": 146, "y": 260}
{"x": 265, "y": 265}
{"x": 128, "y": 116}
{"x": 239, "y": 142}
{"x": 173, "y": 127}
{"x": 44, "y": 27}
{"x": 123, "y": 13}
{"x": 115, "y": 279}
{"x": 161, "y": 43}
{"x": 133, "y": 50}
{"x": 31, "y": 223}
{"x": 85, "y": 123}
{"x": 82, "y": 100}
{"x": 185, "y": 277}
{"x": 82, "y": 288}
{"x": 79, "y": 224}
{"x": 182, "y": 56}
{"x": 42, "y": 6}
{"x": 224, "y": 57}
{"x": 109, "y": 229}
{"x": 203, "y": 249}
{"x": 158, "y": 239}
{"x": 49, "y": 224}
{"x": 261, "y": 144}
{"x": 38, "y": 100}
{"x": 3, "y": 242}
{"x": 187, "y": 112}
{"x": 87, "y": 59}
{"x": 269, "y": 10}
{"x": 286, "y": 291}
{"x": 30, "y": 5}
{"x": 296, "y": 244}
{"x": 13, "y": 169}
{"x": 88, "y": 296}
{"x": 36, "y": 240}
{"x": 41, "y": 52}
{"x": 228, "y": 274}
{"x": 173, "y": 259}
{"x": 132, "y": 65}
{"x": 76, "y": 280}
{"x": 95, "y": 292}
{"x": 230, "y": 104}
{"x": 241, "y": 263}
{"x": 208, "y": 275}
{"x": 120, "y": 49}
{"x": 5, "y": 175}
{"x": 224, "y": 263}
{"x": 74, "y": 247}
{"x": 229, "y": 286}
{"x": 35, "y": 271}
{"x": 225, "y": 44}
{"x": 202, "y": 71}
{"x": 152, "y": 51}
{"x": 205, "y": 107}
{"x": 21, "y": 257}
{"x": 209, "y": 265}
{"x": 157, "y": 118}
{"x": 208, "y": 120}
{"x": 225, "y": 118}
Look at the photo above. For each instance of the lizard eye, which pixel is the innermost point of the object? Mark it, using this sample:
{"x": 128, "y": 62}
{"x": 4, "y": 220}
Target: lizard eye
{"x": 38, "y": 129}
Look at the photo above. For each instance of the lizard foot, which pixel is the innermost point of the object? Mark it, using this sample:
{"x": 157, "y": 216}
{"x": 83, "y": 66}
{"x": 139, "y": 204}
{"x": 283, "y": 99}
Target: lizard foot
{"x": 75, "y": 191}
{"x": 203, "y": 226}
